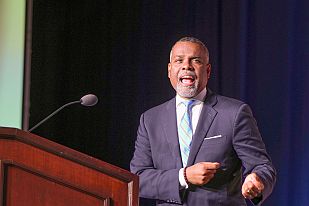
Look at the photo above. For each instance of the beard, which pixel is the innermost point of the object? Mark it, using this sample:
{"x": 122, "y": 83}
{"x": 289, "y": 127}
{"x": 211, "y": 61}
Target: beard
{"x": 187, "y": 91}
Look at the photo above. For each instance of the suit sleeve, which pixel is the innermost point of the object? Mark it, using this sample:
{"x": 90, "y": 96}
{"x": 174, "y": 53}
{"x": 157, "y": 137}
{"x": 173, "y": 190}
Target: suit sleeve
{"x": 251, "y": 150}
{"x": 154, "y": 183}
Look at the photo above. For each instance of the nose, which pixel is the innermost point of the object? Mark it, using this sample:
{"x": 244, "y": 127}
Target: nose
{"x": 187, "y": 65}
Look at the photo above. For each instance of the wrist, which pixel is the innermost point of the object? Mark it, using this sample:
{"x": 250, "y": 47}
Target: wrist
{"x": 185, "y": 175}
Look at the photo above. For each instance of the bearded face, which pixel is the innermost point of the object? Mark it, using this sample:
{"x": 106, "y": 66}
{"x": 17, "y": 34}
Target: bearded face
{"x": 188, "y": 69}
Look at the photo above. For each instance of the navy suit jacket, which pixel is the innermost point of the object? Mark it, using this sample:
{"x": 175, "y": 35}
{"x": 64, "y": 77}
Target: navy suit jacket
{"x": 226, "y": 133}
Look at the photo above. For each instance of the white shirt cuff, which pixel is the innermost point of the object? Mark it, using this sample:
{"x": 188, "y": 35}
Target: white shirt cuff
{"x": 182, "y": 180}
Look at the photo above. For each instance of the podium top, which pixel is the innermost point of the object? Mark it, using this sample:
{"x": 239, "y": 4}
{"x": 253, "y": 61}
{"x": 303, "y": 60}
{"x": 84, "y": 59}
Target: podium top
{"x": 66, "y": 152}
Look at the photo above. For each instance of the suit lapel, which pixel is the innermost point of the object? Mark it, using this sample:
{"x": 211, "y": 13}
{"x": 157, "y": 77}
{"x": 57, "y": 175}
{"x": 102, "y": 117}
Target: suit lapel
{"x": 169, "y": 124}
{"x": 205, "y": 120}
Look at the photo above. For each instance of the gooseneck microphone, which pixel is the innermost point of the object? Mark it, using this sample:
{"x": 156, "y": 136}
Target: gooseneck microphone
{"x": 88, "y": 100}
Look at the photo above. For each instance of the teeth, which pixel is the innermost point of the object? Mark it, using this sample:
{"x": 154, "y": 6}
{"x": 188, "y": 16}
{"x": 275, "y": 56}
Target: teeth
{"x": 187, "y": 77}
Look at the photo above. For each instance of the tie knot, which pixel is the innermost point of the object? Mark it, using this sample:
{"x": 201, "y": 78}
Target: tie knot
{"x": 189, "y": 103}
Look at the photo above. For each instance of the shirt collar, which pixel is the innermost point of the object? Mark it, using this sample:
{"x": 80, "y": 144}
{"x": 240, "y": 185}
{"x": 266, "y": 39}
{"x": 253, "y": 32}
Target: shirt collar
{"x": 200, "y": 97}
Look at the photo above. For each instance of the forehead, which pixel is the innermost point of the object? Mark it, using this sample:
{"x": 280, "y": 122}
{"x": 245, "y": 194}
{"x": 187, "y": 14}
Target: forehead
{"x": 188, "y": 49}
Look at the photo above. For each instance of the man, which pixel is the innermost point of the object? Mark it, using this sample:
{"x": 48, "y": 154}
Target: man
{"x": 194, "y": 149}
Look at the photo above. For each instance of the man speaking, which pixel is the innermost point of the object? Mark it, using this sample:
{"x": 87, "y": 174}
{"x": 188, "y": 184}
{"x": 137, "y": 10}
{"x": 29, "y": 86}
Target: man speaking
{"x": 200, "y": 148}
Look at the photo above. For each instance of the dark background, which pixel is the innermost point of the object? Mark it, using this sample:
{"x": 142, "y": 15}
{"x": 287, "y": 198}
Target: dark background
{"x": 119, "y": 51}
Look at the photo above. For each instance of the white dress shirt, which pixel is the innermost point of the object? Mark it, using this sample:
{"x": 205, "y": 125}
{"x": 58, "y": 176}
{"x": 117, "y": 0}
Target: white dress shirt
{"x": 196, "y": 111}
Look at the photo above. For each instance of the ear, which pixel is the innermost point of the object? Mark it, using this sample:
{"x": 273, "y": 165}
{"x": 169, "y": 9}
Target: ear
{"x": 169, "y": 67}
{"x": 208, "y": 70}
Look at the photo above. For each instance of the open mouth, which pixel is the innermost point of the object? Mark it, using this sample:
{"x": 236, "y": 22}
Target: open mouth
{"x": 187, "y": 80}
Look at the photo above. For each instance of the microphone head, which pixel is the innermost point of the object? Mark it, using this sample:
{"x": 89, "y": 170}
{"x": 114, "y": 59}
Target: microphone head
{"x": 89, "y": 100}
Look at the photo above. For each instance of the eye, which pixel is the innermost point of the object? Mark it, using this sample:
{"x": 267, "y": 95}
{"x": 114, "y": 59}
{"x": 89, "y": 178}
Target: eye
{"x": 197, "y": 60}
{"x": 178, "y": 61}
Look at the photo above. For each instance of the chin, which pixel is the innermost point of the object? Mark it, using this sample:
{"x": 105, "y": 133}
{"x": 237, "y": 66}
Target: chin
{"x": 186, "y": 92}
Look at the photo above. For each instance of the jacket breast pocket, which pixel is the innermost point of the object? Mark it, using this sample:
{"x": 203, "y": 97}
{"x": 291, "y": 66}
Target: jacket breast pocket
{"x": 213, "y": 140}
{"x": 213, "y": 150}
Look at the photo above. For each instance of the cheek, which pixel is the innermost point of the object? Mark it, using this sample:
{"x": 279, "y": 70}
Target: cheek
{"x": 203, "y": 76}
{"x": 173, "y": 75}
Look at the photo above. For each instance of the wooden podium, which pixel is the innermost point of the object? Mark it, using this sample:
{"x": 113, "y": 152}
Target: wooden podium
{"x": 38, "y": 172}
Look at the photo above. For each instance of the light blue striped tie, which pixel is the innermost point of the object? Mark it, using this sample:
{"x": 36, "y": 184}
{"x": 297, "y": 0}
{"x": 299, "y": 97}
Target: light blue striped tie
{"x": 185, "y": 132}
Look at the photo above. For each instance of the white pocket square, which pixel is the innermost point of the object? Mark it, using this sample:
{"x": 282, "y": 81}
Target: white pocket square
{"x": 213, "y": 137}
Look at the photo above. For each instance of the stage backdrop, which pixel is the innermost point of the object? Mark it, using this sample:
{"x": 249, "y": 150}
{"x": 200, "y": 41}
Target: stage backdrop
{"x": 119, "y": 50}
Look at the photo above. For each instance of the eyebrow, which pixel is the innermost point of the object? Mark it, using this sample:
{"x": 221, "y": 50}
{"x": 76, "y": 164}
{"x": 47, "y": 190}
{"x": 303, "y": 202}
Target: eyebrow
{"x": 179, "y": 56}
{"x": 196, "y": 57}
{"x": 193, "y": 57}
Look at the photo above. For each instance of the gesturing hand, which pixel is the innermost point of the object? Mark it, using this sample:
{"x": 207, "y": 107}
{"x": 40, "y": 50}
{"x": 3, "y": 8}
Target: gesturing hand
{"x": 252, "y": 187}
{"x": 202, "y": 172}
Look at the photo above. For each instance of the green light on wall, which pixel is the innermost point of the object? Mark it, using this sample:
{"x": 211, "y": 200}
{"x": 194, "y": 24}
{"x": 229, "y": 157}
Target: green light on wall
{"x": 12, "y": 34}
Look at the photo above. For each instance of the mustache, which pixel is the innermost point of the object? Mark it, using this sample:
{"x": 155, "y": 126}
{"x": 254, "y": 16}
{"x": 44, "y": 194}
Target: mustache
{"x": 184, "y": 73}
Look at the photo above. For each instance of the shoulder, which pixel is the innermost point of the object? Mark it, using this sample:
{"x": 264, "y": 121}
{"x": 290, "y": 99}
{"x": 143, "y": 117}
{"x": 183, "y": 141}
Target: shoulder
{"x": 230, "y": 111}
{"x": 230, "y": 105}
{"x": 161, "y": 108}
{"x": 223, "y": 101}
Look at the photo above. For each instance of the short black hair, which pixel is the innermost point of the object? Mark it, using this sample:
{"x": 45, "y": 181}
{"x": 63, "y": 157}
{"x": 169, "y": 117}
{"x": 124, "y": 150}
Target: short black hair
{"x": 193, "y": 40}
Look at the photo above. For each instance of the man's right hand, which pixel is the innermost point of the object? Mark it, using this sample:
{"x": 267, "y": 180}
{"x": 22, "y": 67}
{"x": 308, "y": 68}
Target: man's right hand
{"x": 202, "y": 172}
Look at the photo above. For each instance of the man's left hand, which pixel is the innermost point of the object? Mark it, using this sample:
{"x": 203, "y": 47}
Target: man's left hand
{"x": 252, "y": 187}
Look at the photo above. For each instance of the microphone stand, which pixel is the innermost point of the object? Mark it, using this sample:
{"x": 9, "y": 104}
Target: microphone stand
{"x": 52, "y": 114}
